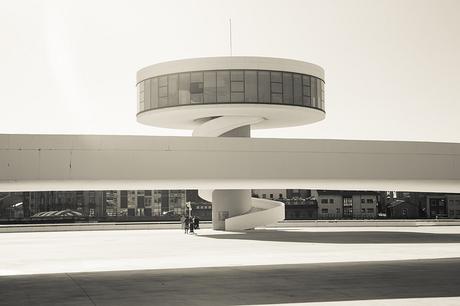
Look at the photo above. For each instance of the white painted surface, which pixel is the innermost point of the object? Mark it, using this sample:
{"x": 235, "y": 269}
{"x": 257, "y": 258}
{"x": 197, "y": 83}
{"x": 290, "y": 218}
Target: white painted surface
{"x": 44, "y": 162}
{"x": 221, "y": 125}
{"x": 230, "y": 62}
{"x": 235, "y": 210}
{"x": 187, "y": 116}
{"x": 228, "y": 205}
{"x": 265, "y": 212}
{"x": 56, "y": 252}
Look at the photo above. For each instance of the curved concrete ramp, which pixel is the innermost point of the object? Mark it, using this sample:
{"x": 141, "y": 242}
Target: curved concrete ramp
{"x": 263, "y": 212}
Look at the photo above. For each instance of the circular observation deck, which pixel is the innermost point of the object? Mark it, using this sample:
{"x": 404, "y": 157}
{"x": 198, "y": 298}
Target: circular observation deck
{"x": 185, "y": 93}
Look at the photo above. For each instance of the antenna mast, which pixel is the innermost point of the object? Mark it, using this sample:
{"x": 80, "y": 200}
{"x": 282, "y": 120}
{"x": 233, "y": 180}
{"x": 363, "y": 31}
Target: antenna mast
{"x": 230, "y": 28}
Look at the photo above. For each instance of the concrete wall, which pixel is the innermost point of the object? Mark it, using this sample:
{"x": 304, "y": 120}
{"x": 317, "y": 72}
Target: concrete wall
{"x": 61, "y": 162}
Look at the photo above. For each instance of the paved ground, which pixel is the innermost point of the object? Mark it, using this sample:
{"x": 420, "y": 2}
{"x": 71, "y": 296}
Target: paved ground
{"x": 342, "y": 266}
{"x": 93, "y": 251}
{"x": 240, "y": 285}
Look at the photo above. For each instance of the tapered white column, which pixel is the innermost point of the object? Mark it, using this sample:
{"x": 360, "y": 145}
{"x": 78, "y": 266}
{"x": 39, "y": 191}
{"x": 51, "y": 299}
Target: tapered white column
{"x": 229, "y": 203}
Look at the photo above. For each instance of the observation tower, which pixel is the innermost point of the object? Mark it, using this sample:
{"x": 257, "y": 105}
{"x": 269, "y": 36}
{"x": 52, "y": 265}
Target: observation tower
{"x": 227, "y": 97}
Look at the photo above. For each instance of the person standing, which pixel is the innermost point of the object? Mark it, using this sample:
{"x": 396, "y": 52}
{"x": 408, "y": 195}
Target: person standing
{"x": 182, "y": 221}
{"x": 192, "y": 225}
{"x": 186, "y": 225}
{"x": 196, "y": 222}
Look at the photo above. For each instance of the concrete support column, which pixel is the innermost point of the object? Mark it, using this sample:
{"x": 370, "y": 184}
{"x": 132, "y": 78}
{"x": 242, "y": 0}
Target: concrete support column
{"x": 230, "y": 203}
{"x": 227, "y": 204}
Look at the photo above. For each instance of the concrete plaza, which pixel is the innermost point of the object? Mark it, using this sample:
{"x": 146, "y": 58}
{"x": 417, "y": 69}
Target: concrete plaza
{"x": 279, "y": 266}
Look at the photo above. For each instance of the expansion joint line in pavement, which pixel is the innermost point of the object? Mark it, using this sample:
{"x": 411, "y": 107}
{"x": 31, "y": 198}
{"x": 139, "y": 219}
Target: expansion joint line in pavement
{"x": 81, "y": 288}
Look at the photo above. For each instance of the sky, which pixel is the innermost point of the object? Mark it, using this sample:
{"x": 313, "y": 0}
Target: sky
{"x": 391, "y": 66}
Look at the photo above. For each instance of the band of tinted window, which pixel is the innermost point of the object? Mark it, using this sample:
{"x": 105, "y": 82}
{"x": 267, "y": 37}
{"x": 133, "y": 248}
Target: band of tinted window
{"x": 230, "y": 86}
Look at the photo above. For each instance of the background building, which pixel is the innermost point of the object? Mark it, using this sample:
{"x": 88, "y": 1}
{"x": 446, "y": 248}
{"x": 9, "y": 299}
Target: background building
{"x": 346, "y": 204}
{"x": 157, "y": 205}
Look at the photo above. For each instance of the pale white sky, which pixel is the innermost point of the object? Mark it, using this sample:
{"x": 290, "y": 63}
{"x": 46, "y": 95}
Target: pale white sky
{"x": 392, "y": 67}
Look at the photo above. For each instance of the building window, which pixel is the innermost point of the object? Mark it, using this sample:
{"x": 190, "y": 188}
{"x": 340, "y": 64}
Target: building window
{"x": 324, "y": 201}
{"x": 184, "y": 88}
{"x": 173, "y": 89}
{"x": 237, "y": 86}
{"x": 123, "y": 199}
{"x": 264, "y": 196}
{"x": 280, "y": 196}
{"x": 297, "y": 85}
{"x": 196, "y": 87}
{"x": 226, "y": 86}
{"x": 363, "y": 201}
{"x": 337, "y": 210}
{"x": 154, "y": 93}
{"x": 210, "y": 87}
{"x": 271, "y": 195}
{"x": 223, "y": 86}
{"x": 324, "y": 210}
{"x": 263, "y": 86}
{"x": 331, "y": 201}
{"x": 314, "y": 99}
{"x": 163, "y": 91}
{"x": 287, "y": 88}
{"x": 276, "y": 87}
{"x": 370, "y": 201}
{"x": 250, "y": 86}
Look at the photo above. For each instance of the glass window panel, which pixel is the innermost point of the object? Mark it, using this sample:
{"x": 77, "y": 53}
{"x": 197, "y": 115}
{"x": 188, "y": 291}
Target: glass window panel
{"x": 147, "y": 94}
{"x": 141, "y": 106}
{"x": 264, "y": 86}
{"x": 318, "y": 91}
{"x": 297, "y": 80}
{"x": 163, "y": 101}
{"x": 277, "y": 98}
{"x": 163, "y": 81}
{"x": 163, "y": 92}
{"x": 196, "y": 98}
{"x": 210, "y": 90}
{"x": 322, "y": 94}
{"x": 154, "y": 93}
{"x": 223, "y": 86}
{"x": 173, "y": 89}
{"x": 237, "y": 97}
{"x": 313, "y": 92}
{"x": 276, "y": 76}
{"x": 237, "y": 86}
{"x": 306, "y": 101}
{"x": 307, "y": 91}
{"x": 250, "y": 86}
{"x": 306, "y": 80}
{"x": 197, "y": 77}
{"x": 277, "y": 88}
{"x": 140, "y": 96}
{"x": 287, "y": 88}
{"x": 184, "y": 88}
{"x": 196, "y": 87}
{"x": 237, "y": 75}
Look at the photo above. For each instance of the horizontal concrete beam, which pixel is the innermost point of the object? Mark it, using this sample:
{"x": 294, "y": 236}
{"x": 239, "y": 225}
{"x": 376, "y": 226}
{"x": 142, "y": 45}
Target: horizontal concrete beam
{"x": 68, "y": 162}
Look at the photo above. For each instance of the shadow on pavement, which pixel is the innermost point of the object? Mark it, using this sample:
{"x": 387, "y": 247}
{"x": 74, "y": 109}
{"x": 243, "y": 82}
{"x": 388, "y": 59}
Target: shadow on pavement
{"x": 242, "y": 285}
{"x": 339, "y": 237}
